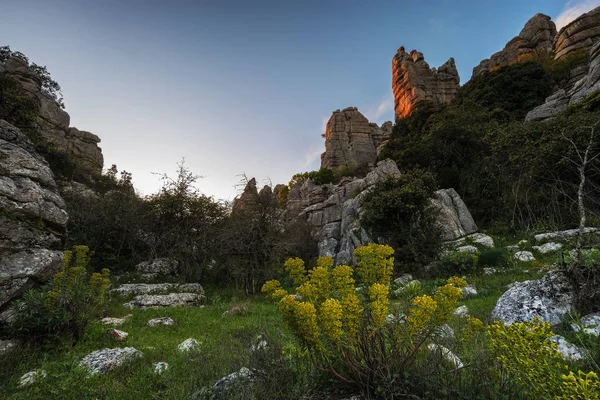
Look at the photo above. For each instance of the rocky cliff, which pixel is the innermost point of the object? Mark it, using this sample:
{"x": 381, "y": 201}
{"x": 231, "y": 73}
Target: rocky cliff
{"x": 351, "y": 140}
{"x": 537, "y": 36}
{"x": 333, "y": 212}
{"x": 33, "y": 219}
{"x": 414, "y": 81}
{"x": 581, "y": 33}
{"x": 54, "y": 122}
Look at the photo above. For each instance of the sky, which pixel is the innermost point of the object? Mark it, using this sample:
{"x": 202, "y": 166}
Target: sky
{"x": 244, "y": 87}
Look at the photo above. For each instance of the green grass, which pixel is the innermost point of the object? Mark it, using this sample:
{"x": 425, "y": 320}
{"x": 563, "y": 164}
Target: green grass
{"x": 225, "y": 343}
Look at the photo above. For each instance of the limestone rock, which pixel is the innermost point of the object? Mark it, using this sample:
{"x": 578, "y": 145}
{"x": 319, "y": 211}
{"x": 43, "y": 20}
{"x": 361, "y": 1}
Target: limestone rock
{"x": 568, "y": 350}
{"x": 563, "y": 235}
{"x": 188, "y": 345}
{"x": 115, "y": 321}
{"x": 165, "y": 300}
{"x": 31, "y": 377}
{"x": 105, "y": 360}
{"x": 116, "y": 335}
{"x": 157, "y": 267}
{"x": 160, "y": 367}
{"x": 523, "y": 256}
{"x": 590, "y": 324}
{"x": 537, "y": 36}
{"x": 8, "y": 345}
{"x": 351, "y": 140}
{"x": 32, "y": 217}
{"x": 128, "y": 289}
{"x": 462, "y": 311}
{"x": 553, "y": 105}
{"x": 469, "y": 291}
{"x": 166, "y": 321}
{"x": 413, "y": 81}
{"x": 489, "y": 271}
{"x": 54, "y": 121}
{"x": 454, "y": 216}
{"x": 548, "y": 247}
{"x": 468, "y": 249}
{"x": 550, "y": 298}
{"x": 446, "y": 353}
{"x": 581, "y": 33}
{"x": 223, "y": 388}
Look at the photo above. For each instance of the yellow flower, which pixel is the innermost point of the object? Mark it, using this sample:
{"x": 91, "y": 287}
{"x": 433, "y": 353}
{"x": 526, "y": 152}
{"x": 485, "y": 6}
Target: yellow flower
{"x": 319, "y": 279}
{"x": 421, "y": 313}
{"x": 305, "y": 316}
{"x": 351, "y": 315}
{"x": 457, "y": 281}
{"x": 330, "y": 316}
{"x": 374, "y": 263}
{"x": 325, "y": 262}
{"x": 307, "y": 291}
{"x": 295, "y": 267}
{"x": 343, "y": 282}
{"x": 273, "y": 289}
{"x": 378, "y": 294}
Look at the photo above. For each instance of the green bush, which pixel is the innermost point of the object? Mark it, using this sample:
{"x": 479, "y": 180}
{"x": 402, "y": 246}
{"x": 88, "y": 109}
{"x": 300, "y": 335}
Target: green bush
{"x": 495, "y": 257}
{"x": 398, "y": 211}
{"x": 458, "y": 262}
{"x": 65, "y": 306}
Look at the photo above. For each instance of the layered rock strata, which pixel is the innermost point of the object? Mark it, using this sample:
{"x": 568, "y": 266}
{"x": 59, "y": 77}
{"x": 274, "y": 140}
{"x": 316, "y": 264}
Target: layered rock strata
{"x": 351, "y": 140}
{"x": 54, "y": 124}
{"x": 33, "y": 219}
{"x": 413, "y": 81}
{"x": 537, "y": 36}
{"x": 581, "y": 33}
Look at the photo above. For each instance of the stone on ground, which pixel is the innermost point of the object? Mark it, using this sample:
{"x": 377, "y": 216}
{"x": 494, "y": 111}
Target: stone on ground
{"x": 160, "y": 367}
{"x": 568, "y": 350}
{"x": 129, "y": 289}
{"x": 590, "y": 324}
{"x": 115, "y": 321}
{"x": 116, "y": 335}
{"x": 105, "y": 360}
{"x": 168, "y": 321}
{"x": 165, "y": 300}
{"x": 523, "y": 256}
{"x": 31, "y": 377}
{"x": 188, "y": 344}
{"x": 548, "y": 247}
{"x": 462, "y": 311}
{"x": 446, "y": 354}
{"x": 8, "y": 345}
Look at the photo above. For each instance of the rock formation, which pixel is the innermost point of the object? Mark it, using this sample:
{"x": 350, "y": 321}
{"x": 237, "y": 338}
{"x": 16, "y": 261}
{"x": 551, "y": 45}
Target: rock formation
{"x": 333, "y": 212}
{"x": 82, "y": 146}
{"x": 560, "y": 100}
{"x": 351, "y": 140}
{"x": 414, "y": 81}
{"x": 579, "y": 34}
{"x": 536, "y": 37}
{"x": 33, "y": 219}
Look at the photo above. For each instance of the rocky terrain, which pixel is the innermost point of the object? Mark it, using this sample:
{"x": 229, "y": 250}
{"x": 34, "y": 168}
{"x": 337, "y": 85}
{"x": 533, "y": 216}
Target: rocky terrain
{"x": 414, "y": 81}
{"x": 54, "y": 122}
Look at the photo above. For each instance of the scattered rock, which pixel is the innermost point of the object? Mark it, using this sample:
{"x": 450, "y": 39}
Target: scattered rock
{"x": 523, "y": 256}
{"x": 157, "y": 267}
{"x": 260, "y": 345}
{"x": 8, "y": 345}
{"x": 116, "y": 335}
{"x": 188, "y": 344}
{"x": 468, "y": 249}
{"x": 550, "y": 298}
{"x": 168, "y": 321}
{"x": 129, "y": 289}
{"x": 567, "y": 234}
{"x": 445, "y": 332}
{"x": 462, "y": 311}
{"x": 513, "y": 248}
{"x": 469, "y": 291}
{"x": 115, "y": 321}
{"x": 413, "y": 81}
{"x": 226, "y": 384}
{"x": 160, "y": 367}
{"x": 548, "y": 247}
{"x": 403, "y": 279}
{"x": 165, "y": 300}
{"x": 590, "y": 324}
{"x": 446, "y": 354}
{"x": 489, "y": 271}
{"x": 31, "y": 377}
{"x": 105, "y": 360}
{"x": 568, "y": 350}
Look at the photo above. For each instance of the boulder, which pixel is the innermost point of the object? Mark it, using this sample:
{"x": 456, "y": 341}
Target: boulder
{"x": 468, "y": 249}
{"x": 33, "y": 219}
{"x": 454, "y": 216}
{"x": 160, "y": 367}
{"x": 105, "y": 360}
{"x": 550, "y": 298}
{"x": 413, "y": 81}
{"x": 446, "y": 354}
{"x": 568, "y": 350}
{"x": 223, "y": 388}
{"x": 351, "y": 140}
{"x": 581, "y": 33}
{"x": 31, "y": 377}
{"x": 462, "y": 311}
{"x": 8, "y": 345}
{"x": 128, "y": 289}
{"x": 563, "y": 235}
{"x": 116, "y": 335}
{"x": 524, "y": 256}
{"x": 157, "y": 267}
{"x": 188, "y": 345}
{"x": 165, "y": 300}
{"x": 548, "y": 247}
{"x": 166, "y": 321}
{"x": 590, "y": 324}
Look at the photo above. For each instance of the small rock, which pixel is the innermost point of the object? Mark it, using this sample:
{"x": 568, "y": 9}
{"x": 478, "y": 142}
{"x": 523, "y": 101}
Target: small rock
{"x": 569, "y": 233}
{"x": 168, "y": 321}
{"x": 483, "y": 240}
{"x": 165, "y": 300}
{"x": 469, "y": 292}
{"x": 160, "y": 367}
{"x": 513, "y": 248}
{"x": 590, "y": 324}
{"x": 8, "y": 345}
{"x": 445, "y": 332}
{"x": 447, "y": 354}
{"x": 568, "y": 350}
{"x": 462, "y": 311}
{"x": 31, "y": 377}
{"x": 102, "y": 361}
{"x": 116, "y": 335}
{"x": 188, "y": 344}
{"x": 489, "y": 271}
{"x": 403, "y": 279}
{"x": 548, "y": 247}
{"x": 523, "y": 243}
{"x": 523, "y": 256}
{"x": 468, "y": 249}
{"x": 261, "y": 345}
{"x": 115, "y": 321}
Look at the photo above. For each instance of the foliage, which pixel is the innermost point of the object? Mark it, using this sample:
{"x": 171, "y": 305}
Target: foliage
{"x": 348, "y": 335}
{"x": 459, "y": 262}
{"x": 398, "y": 211}
{"x": 585, "y": 274}
{"x": 321, "y": 177}
{"x": 494, "y": 257}
{"x": 528, "y": 358}
{"x": 16, "y": 106}
{"x": 65, "y": 306}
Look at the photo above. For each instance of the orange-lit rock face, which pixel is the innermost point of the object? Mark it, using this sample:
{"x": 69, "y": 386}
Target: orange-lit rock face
{"x": 414, "y": 81}
{"x": 351, "y": 140}
{"x": 582, "y": 33}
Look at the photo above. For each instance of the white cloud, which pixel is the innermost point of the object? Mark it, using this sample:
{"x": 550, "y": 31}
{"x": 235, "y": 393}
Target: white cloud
{"x": 573, "y": 9}
{"x": 383, "y": 108}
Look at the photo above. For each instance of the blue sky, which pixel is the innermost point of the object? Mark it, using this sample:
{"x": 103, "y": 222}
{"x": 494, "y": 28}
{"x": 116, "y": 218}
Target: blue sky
{"x": 243, "y": 86}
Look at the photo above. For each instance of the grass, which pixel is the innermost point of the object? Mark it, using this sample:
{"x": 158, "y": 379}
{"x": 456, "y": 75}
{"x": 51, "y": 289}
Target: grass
{"x": 225, "y": 348}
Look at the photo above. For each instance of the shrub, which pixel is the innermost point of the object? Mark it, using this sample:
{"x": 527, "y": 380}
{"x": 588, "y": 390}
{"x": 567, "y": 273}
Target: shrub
{"x": 347, "y": 332}
{"x": 585, "y": 274}
{"x": 495, "y": 257}
{"x": 459, "y": 262}
{"x": 399, "y": 212}
{"x": 65, "y": 306}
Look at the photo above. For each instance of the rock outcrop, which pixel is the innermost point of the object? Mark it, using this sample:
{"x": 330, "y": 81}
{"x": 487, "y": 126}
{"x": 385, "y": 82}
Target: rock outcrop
{"x": 536, "y": 37}
{"x": 333, "y": 212}
{"x": 560, "y": 100}
{"x": 581, "y": 33}
{"x": 413, "y": 81}
{"x": 351, "y": 140}
{"x": 33, "y": 219}
{"x": 54, "y": 126}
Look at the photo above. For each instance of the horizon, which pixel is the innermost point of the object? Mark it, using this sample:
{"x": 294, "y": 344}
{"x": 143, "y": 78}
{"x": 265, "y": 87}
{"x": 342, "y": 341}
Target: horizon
{"x": 244, "y": 89}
